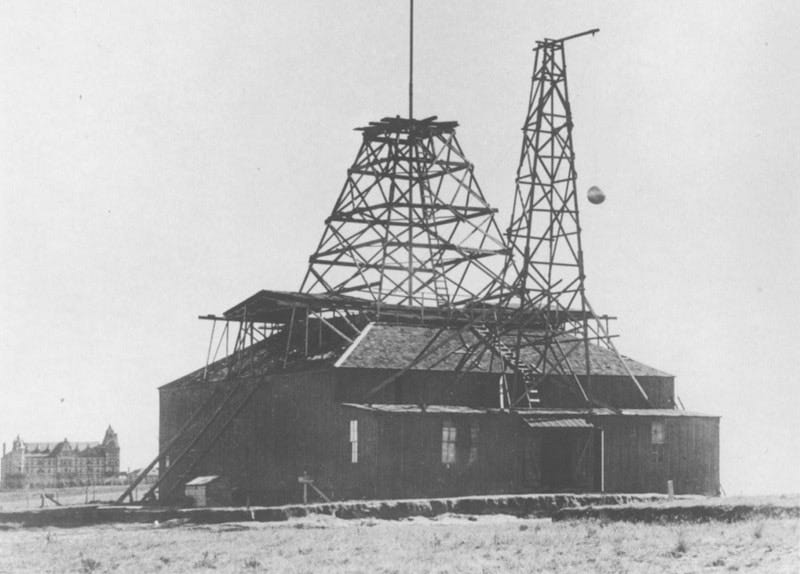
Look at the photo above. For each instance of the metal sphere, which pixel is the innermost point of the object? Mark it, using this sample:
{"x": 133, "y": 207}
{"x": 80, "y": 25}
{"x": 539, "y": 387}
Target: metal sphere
{"x": 595, "y": 195}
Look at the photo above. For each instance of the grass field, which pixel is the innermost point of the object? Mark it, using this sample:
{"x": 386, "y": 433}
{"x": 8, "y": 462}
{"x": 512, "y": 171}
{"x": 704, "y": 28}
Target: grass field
{"x": 12, "y": 500}
{"x": 463, "y": 544}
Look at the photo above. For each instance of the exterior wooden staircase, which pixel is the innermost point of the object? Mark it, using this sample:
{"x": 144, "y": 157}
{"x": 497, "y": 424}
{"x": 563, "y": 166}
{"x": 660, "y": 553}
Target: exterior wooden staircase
{"x": 198, "y": 435}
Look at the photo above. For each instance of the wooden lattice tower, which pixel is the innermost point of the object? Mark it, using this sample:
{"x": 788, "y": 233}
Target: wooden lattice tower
{"x": 545, "y": 268}
{"x": 411, "y": 225}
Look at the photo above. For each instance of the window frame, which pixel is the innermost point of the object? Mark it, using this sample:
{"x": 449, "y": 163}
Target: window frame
{"x": 353, "y": 441}
{"x": 449, "y": 438}
{"x": 658, "y": 432}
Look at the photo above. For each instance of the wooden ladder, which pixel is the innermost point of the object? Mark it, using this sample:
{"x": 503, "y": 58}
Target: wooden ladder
{"x": 509, "y": 357}
{"x": 440, "y": 288}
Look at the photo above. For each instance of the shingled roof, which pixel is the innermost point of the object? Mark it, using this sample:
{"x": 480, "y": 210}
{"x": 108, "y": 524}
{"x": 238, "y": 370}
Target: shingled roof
{"x": 395, "y": 347}
{"x": 386, "y": 346}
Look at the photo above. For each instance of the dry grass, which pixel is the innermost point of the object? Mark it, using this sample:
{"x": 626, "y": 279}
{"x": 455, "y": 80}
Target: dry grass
{"x": 15, "y": 500}
{"x": 446, "y": 544}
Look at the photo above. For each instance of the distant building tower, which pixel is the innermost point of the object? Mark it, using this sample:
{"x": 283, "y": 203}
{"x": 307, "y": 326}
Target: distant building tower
{"x": 13, "y": 467}
{"x": 111, "y": 446}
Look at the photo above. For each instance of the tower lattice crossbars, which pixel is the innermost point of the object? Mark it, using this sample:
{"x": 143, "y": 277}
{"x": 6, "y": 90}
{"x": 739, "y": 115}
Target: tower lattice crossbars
{"x": 411, "y": 225}
{"x": 545, "y": 269}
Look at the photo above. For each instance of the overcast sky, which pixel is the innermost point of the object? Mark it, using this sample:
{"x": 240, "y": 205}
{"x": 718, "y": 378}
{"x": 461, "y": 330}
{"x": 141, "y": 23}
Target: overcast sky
{"x": 162, "y": 160}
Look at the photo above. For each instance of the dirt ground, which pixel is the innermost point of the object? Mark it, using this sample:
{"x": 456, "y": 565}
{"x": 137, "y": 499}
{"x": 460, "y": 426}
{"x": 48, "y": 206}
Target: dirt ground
{"x": 445, "y": 544}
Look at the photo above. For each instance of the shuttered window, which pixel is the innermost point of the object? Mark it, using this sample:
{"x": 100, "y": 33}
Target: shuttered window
{"x": 448, "y": 442}
{"x": 354, "y": 441}
{"x": 474, "y": 432}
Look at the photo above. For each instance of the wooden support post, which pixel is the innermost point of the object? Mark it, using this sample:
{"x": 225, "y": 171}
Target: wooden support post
{"x": 602, "y": 460}
{"x": 322, "y": 494}
{"x": 332, "y": 328}
{"x": 289, "y": 338}
{"x": 208, "y": 354}
{"x": 305, "y": 480}
{"x": 306, "y": 332}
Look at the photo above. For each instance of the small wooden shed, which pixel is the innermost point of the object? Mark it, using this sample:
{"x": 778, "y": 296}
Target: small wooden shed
{"x": 212, "y": 490}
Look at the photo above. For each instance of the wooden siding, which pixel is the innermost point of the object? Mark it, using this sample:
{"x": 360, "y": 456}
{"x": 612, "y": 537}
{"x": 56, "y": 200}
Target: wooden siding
{"x": 409, "y": 458}
{"x": 288, "y": 427}
{"x": 618, "y": 391}
{"x": 291, "y": 426}
{"x": 294, "y": 424}
{"x": 689, "y": 455}
{"x": 509, "y": 457}
{"x": 216, "y": 493}
{"x": 481, "y": 389}
{"x": 415, "y": 387}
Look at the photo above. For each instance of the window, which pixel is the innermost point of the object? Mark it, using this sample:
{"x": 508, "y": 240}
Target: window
{"x": 474, "y": 431}
{"x": 354, "y": 441}
{"x": 448, "y": 442}
{"x": 658, "y": 455}
{"x": 657, "y": 432}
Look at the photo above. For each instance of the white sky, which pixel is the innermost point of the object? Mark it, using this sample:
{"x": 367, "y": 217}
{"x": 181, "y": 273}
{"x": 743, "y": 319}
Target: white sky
{"x": 164, "y": 160}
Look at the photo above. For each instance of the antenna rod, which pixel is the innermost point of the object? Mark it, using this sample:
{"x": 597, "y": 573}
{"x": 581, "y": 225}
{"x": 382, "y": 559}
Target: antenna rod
{"x": 411, "y": 63}
{"x": 593, "y": 31}
{"x": 552, "y": 43}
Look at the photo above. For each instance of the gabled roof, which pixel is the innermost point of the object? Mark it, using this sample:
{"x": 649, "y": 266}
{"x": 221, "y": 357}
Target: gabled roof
{"x": 385, "y": 346}
{"x": 394, "y": 346}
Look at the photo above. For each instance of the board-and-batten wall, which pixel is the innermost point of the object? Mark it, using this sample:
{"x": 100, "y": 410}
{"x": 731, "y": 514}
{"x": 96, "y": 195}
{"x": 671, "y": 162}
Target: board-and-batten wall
{"x": 482, "y": 389}
{"x": 290, "y": 426}
{"x": 295, "y": 423}
{"x": 689, "y": 455}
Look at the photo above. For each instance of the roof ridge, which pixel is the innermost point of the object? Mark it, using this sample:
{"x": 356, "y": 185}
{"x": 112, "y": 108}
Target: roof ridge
{"x": 356, "y": 342}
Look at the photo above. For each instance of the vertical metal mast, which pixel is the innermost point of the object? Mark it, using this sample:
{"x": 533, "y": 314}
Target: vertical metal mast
{"x": 411, "y": 225}
{"x": 411, "y": 175}
{"x": 411, "y": 62}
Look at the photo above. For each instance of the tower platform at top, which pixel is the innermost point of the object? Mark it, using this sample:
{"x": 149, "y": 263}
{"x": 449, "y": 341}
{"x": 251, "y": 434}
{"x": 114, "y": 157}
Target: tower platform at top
{"x": 426, "y": 127}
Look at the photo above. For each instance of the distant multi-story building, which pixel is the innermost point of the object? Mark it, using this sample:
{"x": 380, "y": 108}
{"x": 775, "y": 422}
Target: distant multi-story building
{"x": 60, "y": 463}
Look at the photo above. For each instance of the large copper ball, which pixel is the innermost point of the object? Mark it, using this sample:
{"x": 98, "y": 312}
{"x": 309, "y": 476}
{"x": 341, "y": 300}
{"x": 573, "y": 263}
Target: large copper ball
{"x": 595, "y": 195}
